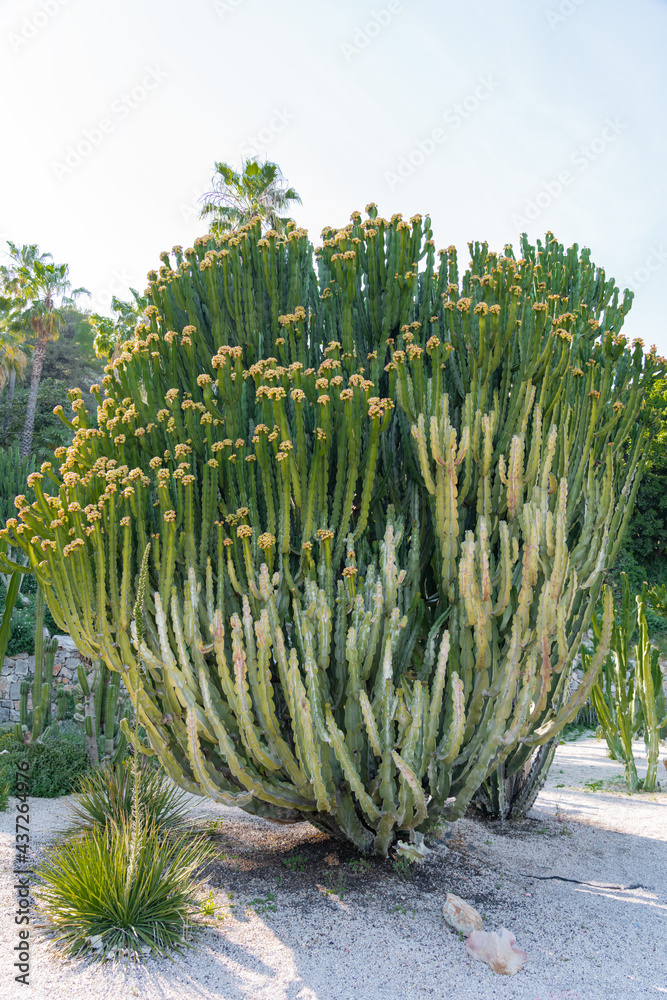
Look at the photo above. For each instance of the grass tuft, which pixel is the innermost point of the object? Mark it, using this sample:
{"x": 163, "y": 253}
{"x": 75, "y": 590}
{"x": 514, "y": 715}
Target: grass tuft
{"x": 112, "y": 892}
{"x": 106, "y": 795}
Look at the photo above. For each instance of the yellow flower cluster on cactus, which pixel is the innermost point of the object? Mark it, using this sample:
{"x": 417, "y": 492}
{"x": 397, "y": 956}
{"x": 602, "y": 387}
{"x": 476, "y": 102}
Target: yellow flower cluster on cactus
{"x": 344, "y": 515}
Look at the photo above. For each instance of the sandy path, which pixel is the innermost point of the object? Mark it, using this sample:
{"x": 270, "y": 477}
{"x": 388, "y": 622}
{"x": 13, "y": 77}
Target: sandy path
{"x": 333, "y": 929}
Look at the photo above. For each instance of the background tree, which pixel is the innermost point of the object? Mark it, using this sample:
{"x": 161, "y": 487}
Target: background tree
{"x": 258, "y": 191}
{"x": 112, "y": 331}
{"x": 644, "y": 553}
{"x": 36, "y": 286}
{"x": 70, "y": 363}
{"x": 13, "y": 360}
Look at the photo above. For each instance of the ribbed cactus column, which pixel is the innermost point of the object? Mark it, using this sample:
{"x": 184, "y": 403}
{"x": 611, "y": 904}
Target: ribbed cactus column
{"x": 628, "y": 696}
{"x": 100, "y": 711}
{"x": 345, "y": 516}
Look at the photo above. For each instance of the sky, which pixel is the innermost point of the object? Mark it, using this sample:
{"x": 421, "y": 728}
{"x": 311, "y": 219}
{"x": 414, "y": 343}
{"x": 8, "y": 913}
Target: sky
{"x": 492, "y": 118}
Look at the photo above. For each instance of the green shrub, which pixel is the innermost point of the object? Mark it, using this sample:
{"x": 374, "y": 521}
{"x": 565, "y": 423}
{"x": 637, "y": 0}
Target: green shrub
{"x": 22, "y": 638}
{"x": 106, "y": 794}
{"x": 4, "y": 794}
{"x": 657, "y": 624}
{"x": 6, "y": 741}
{"x": 54, "y": 767}
{"x": 107, "y": 893}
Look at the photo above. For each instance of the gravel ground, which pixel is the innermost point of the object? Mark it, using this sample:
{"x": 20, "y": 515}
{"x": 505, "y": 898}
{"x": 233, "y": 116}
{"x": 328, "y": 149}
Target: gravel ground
{"x": 303, "y": 918}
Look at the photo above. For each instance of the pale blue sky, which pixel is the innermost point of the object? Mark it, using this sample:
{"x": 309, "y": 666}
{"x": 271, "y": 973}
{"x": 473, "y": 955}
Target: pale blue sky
{"x": 345, "y": 96}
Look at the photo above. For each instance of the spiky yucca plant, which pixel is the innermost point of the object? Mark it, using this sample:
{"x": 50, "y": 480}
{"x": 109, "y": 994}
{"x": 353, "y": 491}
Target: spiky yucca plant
{"x": 346, "y": 514}
{"x": 117, "y": 891}
{"x": 106, "y": 794}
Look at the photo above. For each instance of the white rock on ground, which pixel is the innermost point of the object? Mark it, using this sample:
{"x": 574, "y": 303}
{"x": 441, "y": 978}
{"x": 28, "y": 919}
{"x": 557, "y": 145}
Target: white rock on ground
{"x": 460, "y": 915}
{"x": 498, "y": 949}
{"x": 342, "y": 930}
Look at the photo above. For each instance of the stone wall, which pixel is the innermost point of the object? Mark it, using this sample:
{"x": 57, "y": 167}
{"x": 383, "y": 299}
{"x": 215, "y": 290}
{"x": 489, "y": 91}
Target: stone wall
{"x": 22, "y": 667}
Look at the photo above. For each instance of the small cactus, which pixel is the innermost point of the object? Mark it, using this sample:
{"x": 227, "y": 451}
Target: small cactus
{"x": 50, "y": 650}
{"x": 46, "y": 648}
{"x": 24, "y": 691}
{"x": 61, "y": 703}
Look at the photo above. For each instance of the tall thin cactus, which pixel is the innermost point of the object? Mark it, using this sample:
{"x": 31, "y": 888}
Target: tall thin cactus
{"x": 61, "y": 702}
{"x": 24, "y": 691}
{"x": 100, "y": 711}
{"x": 42, "y": 687}
{"x": 628, "y": 696}
{"x": 375, "y": 499}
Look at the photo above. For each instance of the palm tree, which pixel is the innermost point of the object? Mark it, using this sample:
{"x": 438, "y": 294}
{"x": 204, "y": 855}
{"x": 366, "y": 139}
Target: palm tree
{"x": 13, "y": 363}
{"x": 35, "y": 284}
{"x": 13, "y": 359}
{"x": 258, "y": 190}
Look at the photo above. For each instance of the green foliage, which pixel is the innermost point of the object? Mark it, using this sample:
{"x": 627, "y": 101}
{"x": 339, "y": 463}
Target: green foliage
{"x": 38, "y": 292}
{"x": 6, "y": 741}
{"x": 54, "y": 766}
{"x": 7, "y": 612}
{"x": 49, "y": 431}
{"x": 70, "y": 362}
{"x": 120, "y": 891}
{"x": 346, "y": 515}
{"x": 22, "y": 639}
{"x": 629, "y": 696}
{"x": 110, "y": 332}
{"x": 104, "y": 705}
{"x": 14, "y": 473}
{"x": 644, "y": 553}
{"x": 401, "y": 866}
{"x": 72, "y": 359}
{"x": 13, "y": 356}
{"x": 647, "y": 533}
{"x": 105, "y": 795}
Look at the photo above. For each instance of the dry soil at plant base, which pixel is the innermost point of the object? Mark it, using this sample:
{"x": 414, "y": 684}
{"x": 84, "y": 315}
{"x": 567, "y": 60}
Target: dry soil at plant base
{"x": 301, "y": 918}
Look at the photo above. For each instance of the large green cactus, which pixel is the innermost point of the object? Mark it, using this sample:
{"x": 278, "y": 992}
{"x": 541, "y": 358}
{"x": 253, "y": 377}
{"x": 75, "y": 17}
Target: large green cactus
{"x": 345, "y": 516}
